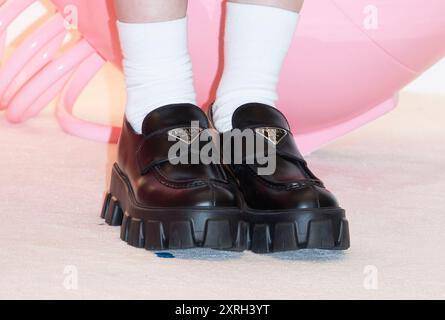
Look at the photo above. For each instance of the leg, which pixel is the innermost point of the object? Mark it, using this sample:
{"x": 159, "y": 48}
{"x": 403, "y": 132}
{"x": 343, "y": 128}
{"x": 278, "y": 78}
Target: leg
{"x": 257, "y": 39}
{"x": 157, "y": 66}
{"x": 258, "y": 36}
{"x": 142, "y": 11}
{"x": 291, "y": 5}
{"x": 160, "y": 199}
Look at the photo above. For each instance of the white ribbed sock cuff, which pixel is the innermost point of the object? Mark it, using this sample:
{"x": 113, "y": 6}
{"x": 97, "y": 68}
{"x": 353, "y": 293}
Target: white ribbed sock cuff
{"x": 157, "y": 67}
{"x": 257, "y": 39}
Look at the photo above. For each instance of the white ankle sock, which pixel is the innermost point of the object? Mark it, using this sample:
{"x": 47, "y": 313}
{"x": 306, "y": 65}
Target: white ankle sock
{"x": 157, "y": 67}
{"x": 257, "y": 39}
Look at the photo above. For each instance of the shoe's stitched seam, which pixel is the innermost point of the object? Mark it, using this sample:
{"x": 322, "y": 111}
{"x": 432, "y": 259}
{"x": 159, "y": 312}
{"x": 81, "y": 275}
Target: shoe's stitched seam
{"x": 162, "y": 179}
{"x": 221, "y": 183}
{"x": 176, "y": 185}
{"x": 301, "y": 183}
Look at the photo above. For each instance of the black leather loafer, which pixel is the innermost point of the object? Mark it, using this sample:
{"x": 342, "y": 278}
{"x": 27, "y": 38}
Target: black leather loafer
{"x": 289, "y": 209}
{"x": 164, "y": 206}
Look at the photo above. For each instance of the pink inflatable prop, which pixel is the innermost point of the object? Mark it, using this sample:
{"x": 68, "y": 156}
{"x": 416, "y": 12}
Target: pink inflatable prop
{"x": 348, "y": 61}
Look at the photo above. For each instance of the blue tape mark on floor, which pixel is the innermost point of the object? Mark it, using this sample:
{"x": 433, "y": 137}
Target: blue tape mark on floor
{"x": 164, "y": 255}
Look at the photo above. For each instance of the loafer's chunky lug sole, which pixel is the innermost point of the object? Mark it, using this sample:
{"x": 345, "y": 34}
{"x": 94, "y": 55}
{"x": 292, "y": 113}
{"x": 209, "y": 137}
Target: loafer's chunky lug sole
{"x": 182, "y": 228}
{"x": 304, "y": 229}
{"x": 171, "y": 228}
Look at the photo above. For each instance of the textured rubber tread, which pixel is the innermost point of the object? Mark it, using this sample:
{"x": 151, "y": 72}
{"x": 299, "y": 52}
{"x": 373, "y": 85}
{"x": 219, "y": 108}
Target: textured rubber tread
{"x": 171, "y": 228}
{"x": 261, "y": 240}
{"x": 224, "y": 230}
{"x": 328, "y": 233}
{"x": 218, "y": 234}
{"x": 285, "y": 237}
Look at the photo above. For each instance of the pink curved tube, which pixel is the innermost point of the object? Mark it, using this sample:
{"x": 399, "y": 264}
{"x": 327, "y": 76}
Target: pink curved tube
{"x": 10, "y": 10}
{"x": 2, "y": 44}
{"x": 31, "y": 56}
{"x": 36, "y": 51}
{"x": 65, "y": 105}
{"x": 30, "y": 79}
{"x": 39, "y": 91}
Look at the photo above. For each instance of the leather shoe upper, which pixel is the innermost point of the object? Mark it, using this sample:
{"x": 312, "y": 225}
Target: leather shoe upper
{"x": 156, "y": 182}
{"x": 292, "y": 185}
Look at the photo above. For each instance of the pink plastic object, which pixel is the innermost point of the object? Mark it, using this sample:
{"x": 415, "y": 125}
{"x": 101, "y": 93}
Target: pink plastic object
{"x": 34, "y": 75}
{"x": 348, "y": 61}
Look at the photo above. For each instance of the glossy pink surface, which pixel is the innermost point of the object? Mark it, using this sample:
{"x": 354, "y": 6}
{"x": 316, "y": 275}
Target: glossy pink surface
{"x": 348, "y": 61}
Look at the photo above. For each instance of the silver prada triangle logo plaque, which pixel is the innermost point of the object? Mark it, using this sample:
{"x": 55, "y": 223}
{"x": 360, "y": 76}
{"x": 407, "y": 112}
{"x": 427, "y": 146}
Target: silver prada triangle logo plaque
{"x": 186, "y": 135}
{"x": 274, "y": 135}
